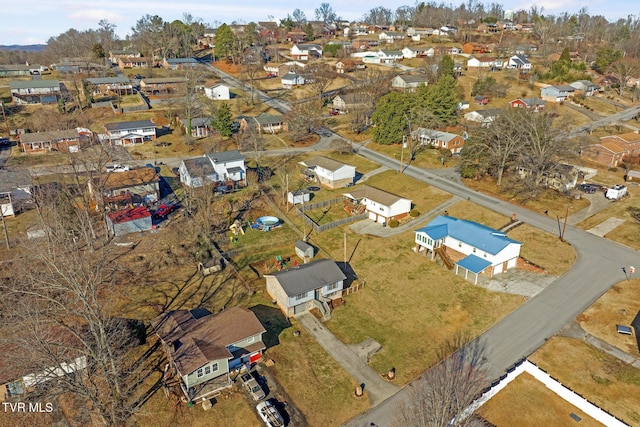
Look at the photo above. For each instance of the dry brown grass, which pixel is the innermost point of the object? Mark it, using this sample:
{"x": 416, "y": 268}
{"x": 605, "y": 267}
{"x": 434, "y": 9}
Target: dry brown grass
{"x": 626, "y": 233}
{"x": 618, "y": 306}
{"x": 526, "y": 402}
{"x": 602, "y": 379}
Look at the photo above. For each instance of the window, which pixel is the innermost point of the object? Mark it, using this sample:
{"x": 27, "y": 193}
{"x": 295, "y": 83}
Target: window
{"x": 301, "y": 296}
{"x": 200, "y": 373}
{"x": 251, "y": 339}
{"x": 207, "y": 370}
{"x": 459, "y": 244}
{"x": 332, "y": 286}
{"x": 474, "y": 250}
{"x": 214, "y": 367}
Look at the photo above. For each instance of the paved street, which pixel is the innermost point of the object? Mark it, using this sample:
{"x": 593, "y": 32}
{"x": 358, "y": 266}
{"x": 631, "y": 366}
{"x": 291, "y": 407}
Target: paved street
{"x": 597, "y": 268}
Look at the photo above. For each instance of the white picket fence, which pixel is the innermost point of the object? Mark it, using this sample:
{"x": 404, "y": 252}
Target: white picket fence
{"x": 568, "y": 395}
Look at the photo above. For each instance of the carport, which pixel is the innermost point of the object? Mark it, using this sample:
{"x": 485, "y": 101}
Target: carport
{"x": 472, "y": 264}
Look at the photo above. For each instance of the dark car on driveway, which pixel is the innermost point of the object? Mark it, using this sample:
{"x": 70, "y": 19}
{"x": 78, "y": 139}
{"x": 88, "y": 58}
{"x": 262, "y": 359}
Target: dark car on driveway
{"x": 588, "y": 188}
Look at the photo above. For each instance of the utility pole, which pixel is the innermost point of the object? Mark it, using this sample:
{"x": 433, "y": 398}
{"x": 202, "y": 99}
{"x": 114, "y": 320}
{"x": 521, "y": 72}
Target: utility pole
{"x": 404, "y": 138}
{"x": 4, "y": 116}
{"x": 566, "y": 215}
{"x": 4, "y": 226}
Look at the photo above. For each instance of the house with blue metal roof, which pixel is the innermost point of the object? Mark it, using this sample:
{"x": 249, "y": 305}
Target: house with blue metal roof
{"x": 467, "y": 246}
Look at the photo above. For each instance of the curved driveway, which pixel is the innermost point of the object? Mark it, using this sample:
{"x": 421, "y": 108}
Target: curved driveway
{"x": 597, "y": 268}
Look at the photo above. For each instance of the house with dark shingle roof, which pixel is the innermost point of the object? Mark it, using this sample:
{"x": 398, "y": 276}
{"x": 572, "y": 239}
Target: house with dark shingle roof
{"x": 380, "y": 205}
{"x": 586, "y": 87}
{"x": 203, "y": 348}
{"x": 35, "y": 91}
{"x": 329, "y": 172}
{"x": 531, "y": 104}
{"x": 219, "y": 167}
{"x": 408, "y": 82}
{"x": 557, "y": 93}
{"x": 473, "y": 247}
{"x": 302, "y": 287}
{"x": 129, "y": 133}
{"x": 56, "y": 140}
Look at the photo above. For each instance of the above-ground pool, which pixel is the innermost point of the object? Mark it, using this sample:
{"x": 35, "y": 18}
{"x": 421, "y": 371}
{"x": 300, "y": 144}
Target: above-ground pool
{"x": 267, "y": 222}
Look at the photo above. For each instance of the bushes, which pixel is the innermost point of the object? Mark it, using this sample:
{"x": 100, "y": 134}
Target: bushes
{"x": 393, "y": 223}
{"x": 414, "y": 213}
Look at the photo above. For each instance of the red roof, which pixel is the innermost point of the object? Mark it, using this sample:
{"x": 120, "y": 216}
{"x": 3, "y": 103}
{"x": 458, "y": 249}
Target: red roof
{"x": 129, "y": 215}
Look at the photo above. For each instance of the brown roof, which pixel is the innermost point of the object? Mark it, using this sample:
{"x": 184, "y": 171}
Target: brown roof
{"x": 198, "y": 337}
{"x": 129, "y": 178}
{"x": 383, "y": 197}
{"x": 613, "y": 144}
{"x": 628, "y": 137}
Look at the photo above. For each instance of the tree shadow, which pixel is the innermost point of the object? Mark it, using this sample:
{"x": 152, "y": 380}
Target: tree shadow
{"x": 273, "y": 321}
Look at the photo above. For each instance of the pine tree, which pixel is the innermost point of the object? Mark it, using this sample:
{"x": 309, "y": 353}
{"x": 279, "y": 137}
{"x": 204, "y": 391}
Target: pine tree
{"x": 390, "y": 118}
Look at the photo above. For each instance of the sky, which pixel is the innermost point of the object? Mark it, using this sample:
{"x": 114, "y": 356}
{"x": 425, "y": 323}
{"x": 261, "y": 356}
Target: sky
{"x": 35, "y": 21}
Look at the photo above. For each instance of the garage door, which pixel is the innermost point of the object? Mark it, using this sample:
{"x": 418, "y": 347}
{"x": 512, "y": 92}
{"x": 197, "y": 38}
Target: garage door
{"x": 381, "y": 219}
{"x": 300, "y": 308}
{"x": 373, "y": 216}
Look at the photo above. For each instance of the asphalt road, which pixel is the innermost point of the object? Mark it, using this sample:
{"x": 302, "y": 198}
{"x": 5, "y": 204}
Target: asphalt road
{"x": 597, "y": 268}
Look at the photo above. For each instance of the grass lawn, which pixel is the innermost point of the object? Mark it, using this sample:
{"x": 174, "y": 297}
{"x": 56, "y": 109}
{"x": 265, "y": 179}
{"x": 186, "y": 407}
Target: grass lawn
{"x": 628, "y": 233}
{"x": 521, "y": 403}
{"x": 412, "y": 312}
{"x": 602, "y": 379}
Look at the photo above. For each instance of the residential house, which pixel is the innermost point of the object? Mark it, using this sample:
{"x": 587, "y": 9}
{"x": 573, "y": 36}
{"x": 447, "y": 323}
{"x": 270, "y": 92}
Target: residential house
{"x": 311, "y": 285}
{"x": 56, "y": 140}
{"x": 484, "y": 62}
{"x": 292, "y": 80}
{"x": 474, "y": 48}
{"x": 563, "y": 178}
{"x": 484, "y": 117}
{"x": 218, "y": 92}
{"x": 364, "y": 44}
{"x": 35, "y": 91}
{"x": 130, "y": 220}
{"x": 275, "y": 70}
{"x": 525, "y": 49}
{"x": 439, "y": 139}
{"x": 129, "y": 133}
{"x": 180, "y": 63}
{"x": 134, "y": 187}
{"x": 204, "y": 348}
{"x": 350, "y": 102}
{"x": 417, "y": 52}
{"x": 585, "y": 87}
{"x": 463, "y": 105}
{"x": 408, "y": 82}
{"x": 269, "y": 123}
{"x": 14, "y": 70}
{"x": 519, "y": 62}
{"x": 613, "y": 148}
{"x": 469, "y": 246}
{"x": 391, "y": 36}
{"x": 417, "y": 34}
{"x": 224, "y": 167}
{"x": 531, "y": 104}
{"x": 108, "y": 86}
{"x": 306, "y": 51}
{"x": 133, "y": 62}
{"x": 77, "y": 65}
{"x": 380, "y": 205}
{"x": 174, "y": 86}
{"x": 349, "y": 65}
{"x": 296, "y": 35}
{"x": 15, "y": 189}
{"x": 481, "y": 99}
{"x": 487, "y": 28}
{"x": 200, "y": 126}
{"x": 329, "y": 172}
{"x": 557, "y": 93}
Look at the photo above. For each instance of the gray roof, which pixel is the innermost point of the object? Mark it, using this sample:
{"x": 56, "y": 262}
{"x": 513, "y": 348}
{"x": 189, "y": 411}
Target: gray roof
{"x": 163, "y": 80}
{"x": 269, "y": 119}
{"x": 225, "y": 156}
{"x": 436, "y": 135}
{"x": 303, "y": 246}
{"x": 197, "y": 121}
{"x": 410, "y": 78}
{"x": 10, "y": 180}
{"x": 26, "y": 84}
{"x": 375, "y": 194}
{"x": 325, "y": 163}
{"x": 199, "y": 167}
{"x": 489, "y": 112}
{"x": 182, "y": 61}
{"x": 310, "y": 276}
{"x": 53, "y": 135}
{"x": 108, "y": 80}
{"x": 129, "y": 125}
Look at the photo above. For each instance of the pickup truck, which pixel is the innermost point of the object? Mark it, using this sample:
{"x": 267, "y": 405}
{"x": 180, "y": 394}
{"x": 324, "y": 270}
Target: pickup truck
{"x": 252, "y": 386}
{"x": 269, "y": 414}
{"x": 117, "y": 168}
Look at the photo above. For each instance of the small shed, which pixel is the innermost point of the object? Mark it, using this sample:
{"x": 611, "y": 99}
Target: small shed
{"x": 210, "y": 266}
{"x": 305, "y": 250}
{"x": 129, "y": 221}
{"x": 298, "y": 197}
{"x": 632, "y": 176}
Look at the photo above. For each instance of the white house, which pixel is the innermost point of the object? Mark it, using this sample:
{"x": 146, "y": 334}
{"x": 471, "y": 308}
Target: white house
{"x": 484, "y": 62}
{"x": 588, "y": 88}
{"x": 218, "y": 92}
{"x": 15, "y": 188}
{"x": 469, "y": 246}
{"x": 128, "y": 133}
{"x": 484, "y": 117}
{"x": 518, "y": 61}
{"x": 329, "y": 172}
{"x": 223, "y": 166}
{"x": 408, "y": 82}
{"x": 291, "y": 80}
{"x": 306, "y": 51}
{"x": 391, "y": 36}
{"x": 381, "y": 205}
{"x": 417, "y": 52}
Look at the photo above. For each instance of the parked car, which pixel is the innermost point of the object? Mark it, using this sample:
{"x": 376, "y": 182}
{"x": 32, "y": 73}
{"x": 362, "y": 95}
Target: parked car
{"x": 163, "y": 210}
{"x": 269, "y": 414}
{"x": 588, "y": 188}
{"x": 252, "y": 386}
{"x": 117, "y": 168}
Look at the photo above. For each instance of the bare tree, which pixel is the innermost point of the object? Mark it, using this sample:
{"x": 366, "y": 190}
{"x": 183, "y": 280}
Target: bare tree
{"x": 302, "y": 119}
{"x": 441, "y": 395}
{"x": 624, "y": 70}
{"x": 318, "y": 76}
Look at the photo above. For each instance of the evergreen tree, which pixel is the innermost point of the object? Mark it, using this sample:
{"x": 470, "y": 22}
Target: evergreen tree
{"x": 223, "y": 121}
{"x": 390, "y": 118}
{"x": 446, "y": 66}
{"x": 442, "y": 100}
{"x": 308, "y": 30}
{"x": 225, "y": 41}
